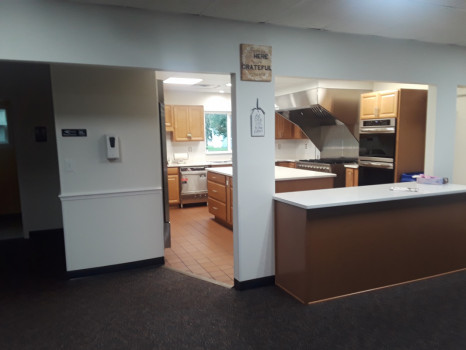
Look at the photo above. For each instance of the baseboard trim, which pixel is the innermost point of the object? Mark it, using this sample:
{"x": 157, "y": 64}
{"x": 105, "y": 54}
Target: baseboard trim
{"x": 254, "y": 283}
{"x": 115, "y": 268}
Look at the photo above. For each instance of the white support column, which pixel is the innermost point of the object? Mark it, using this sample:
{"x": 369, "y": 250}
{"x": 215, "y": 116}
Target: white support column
{"x": 254, "y": 181}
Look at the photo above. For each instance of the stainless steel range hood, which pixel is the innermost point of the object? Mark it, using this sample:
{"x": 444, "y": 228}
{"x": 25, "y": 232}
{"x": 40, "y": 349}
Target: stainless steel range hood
{"x": 329, "y": 117}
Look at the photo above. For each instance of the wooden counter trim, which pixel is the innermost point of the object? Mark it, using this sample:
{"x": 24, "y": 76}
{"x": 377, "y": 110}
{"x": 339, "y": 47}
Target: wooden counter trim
{"x": 331, "y": 252}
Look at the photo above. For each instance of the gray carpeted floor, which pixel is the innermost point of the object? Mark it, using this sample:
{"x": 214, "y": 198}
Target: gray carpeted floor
{"x": 156, "y": 308}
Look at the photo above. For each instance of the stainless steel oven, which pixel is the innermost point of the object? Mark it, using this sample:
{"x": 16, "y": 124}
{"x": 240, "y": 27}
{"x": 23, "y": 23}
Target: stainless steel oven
{"x": 377, "y": 147}
{"x": 193, "y": 185}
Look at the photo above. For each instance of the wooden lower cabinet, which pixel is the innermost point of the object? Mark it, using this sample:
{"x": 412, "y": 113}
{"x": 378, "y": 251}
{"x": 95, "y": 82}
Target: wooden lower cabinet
{"x": 173, "y": 186}
{"x": 220, "y": 198}
{"x": 352, "y": 177}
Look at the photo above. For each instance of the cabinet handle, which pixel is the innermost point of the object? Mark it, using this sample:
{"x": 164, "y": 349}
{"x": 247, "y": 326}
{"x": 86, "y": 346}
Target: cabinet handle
{"x": 190, "y": 136}
{"x": 214, "y": 191}
{"x": 214, "y": 208}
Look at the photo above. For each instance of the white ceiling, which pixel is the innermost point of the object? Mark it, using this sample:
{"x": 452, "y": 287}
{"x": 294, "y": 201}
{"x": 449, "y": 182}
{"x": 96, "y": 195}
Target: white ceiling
{"x": 435, "y": 21}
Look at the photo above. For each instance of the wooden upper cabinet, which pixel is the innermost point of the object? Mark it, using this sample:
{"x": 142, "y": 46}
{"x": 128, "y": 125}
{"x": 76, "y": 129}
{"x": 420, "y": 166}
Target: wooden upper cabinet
{"x": 379, "y": 104}
{"x": 188, "y": 123}
{"x": 388, "y": 104}
{"x": 196, "y": 122}
{"x": 284, "y": 129}
{"x": 298, "y": 133}
{"x": 368, "y": 105}
{"x": 168, "y": 118}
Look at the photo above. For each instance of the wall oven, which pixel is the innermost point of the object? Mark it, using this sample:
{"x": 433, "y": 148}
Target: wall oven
{"x": 377, "y": 146}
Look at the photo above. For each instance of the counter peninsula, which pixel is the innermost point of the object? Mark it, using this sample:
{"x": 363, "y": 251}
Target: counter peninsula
{"x": 220, "y": 187}
{"x": 335, "y": 242}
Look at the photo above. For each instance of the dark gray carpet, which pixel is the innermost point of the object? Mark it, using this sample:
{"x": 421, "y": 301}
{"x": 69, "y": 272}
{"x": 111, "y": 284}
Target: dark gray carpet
{"x": 156, "y": 308}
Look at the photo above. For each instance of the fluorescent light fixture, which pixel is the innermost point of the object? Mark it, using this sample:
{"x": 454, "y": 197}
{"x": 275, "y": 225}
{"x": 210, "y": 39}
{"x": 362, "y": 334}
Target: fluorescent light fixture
{"x": 181, "y": 81}
{"x": 222, "y": 92}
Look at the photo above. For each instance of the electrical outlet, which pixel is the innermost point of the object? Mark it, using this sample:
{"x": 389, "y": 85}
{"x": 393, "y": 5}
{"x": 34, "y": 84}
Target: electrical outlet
{"x": 305, "y": 145}
{"x": 279, "y": 146}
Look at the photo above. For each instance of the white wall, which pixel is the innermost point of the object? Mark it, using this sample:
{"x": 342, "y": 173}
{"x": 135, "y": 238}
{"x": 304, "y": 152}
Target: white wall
{"x": 28, "y": 89}
{"x": 49, "y": 31}
{"x": 112, "y": 210}
{"x": 212, "y": 102}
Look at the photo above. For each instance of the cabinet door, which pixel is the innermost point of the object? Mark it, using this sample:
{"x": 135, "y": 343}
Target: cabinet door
{"x": 168, "y": 118}
{"x": 180, "y": 123}
{"x": 230, "y": 200}
{"x": 173, "y": 189}
{"x": 196, "y": 123}
{"x": 388, "y": 104}
{"x": 368, "y": 106}
{"x": 217, "y": 208}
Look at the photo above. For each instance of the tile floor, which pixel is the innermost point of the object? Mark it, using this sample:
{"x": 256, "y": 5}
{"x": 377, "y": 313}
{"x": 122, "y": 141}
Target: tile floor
{"x": 200, "y": 245}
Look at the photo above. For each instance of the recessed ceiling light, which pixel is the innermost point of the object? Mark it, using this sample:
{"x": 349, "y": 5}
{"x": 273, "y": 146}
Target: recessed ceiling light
{"x": 181, "y": 81}
{"x": 222, "y": 92}
{"x": 228, "y": 84}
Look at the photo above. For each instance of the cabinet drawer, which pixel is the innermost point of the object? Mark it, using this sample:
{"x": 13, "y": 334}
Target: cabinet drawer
{"x": 217, "y": 191}
{"x": 218, "y": 209}
{"x": 172, "y": 171}
{"x": 221, "y": 179}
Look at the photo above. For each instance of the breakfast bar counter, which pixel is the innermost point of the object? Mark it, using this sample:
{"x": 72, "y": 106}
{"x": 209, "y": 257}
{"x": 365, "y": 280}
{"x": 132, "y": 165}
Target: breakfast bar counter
{"x": 335, "y": 242}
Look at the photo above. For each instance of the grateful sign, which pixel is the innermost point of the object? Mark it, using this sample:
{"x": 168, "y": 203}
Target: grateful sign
{"x": 256, "y": 62}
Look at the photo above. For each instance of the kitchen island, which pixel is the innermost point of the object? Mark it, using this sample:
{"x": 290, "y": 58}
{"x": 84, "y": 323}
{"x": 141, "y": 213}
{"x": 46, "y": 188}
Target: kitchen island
{"x": 220, "y": 187}
{"x": 341, "y": 241}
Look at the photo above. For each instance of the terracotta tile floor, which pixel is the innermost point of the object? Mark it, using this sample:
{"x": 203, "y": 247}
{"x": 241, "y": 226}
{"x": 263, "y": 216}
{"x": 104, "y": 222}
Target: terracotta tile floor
{"x": 200, "y": 245}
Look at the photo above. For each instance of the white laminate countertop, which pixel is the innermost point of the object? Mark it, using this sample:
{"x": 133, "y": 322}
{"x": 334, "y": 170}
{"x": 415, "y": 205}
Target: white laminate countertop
{"x": 335, "y": 197}
{"x": 206, "y": 163}
{"x": 352, "y": 165}
{"x": 281, "y": 173}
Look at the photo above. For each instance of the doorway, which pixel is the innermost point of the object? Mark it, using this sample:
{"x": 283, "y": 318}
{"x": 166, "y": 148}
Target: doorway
{"x": 10, "y": 206}
{"x": 200, "y": 246}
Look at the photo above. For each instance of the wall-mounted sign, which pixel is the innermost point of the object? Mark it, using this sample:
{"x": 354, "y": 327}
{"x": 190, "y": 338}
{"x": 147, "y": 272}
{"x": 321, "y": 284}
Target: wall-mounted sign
{"x": 256, "y": 62}
{"x": 73, "y": 132}
{"x": 257, "y": 121}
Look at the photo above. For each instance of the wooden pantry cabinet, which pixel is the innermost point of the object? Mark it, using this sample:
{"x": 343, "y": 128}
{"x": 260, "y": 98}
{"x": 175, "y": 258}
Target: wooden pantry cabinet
{"x": 173, "y": 185}
{"x": 220, "y": 197}
{"x": 409, "y": 107}
{"x": 188, "y": 123}
{"x": 379, "y": 104}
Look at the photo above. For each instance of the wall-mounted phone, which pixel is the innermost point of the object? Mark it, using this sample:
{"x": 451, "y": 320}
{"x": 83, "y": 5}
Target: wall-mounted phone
{"x": 113, "y": 147}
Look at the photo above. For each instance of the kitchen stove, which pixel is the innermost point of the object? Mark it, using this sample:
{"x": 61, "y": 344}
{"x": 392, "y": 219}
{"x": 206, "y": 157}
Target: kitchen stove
{"x": 328, "y": 165}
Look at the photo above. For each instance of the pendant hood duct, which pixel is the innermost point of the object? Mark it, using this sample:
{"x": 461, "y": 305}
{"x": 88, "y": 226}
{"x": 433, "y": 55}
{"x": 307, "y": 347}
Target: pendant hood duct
{"x": 329, "y": 117}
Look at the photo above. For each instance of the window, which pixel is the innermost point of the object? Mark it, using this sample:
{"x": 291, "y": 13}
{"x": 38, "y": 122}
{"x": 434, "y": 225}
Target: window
{"x": 218, "y": 132}
{"x": 3, "y": 127}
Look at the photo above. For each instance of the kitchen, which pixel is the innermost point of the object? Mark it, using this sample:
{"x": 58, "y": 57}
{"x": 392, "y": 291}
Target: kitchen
{"x": 333, "y": 151}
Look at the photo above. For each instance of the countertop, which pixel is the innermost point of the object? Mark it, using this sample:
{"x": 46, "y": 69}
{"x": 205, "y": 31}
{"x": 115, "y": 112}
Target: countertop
{"x": 364, "y": 194}
{"x": 352, "y": 165}
{"x": 206, "y": 163}
{"x": 281, "y": 173}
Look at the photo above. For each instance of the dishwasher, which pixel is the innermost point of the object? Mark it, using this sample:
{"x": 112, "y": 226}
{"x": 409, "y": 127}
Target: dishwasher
{"x": 193, "y": 185}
